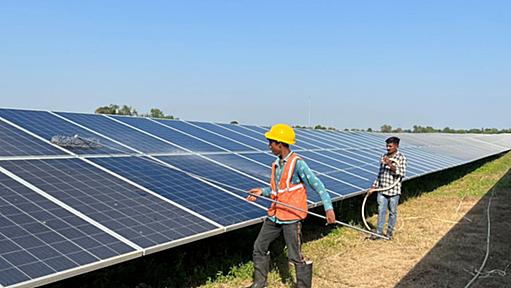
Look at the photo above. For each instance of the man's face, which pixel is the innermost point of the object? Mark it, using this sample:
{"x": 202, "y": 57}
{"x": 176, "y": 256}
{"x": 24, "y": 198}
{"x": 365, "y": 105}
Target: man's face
{"x": 392, "y": 148}
{"x": 275, "y": 147}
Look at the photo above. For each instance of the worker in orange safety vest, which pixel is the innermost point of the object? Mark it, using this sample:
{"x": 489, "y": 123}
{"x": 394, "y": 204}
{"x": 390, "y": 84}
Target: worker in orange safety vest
{"x": 291, "y": 179}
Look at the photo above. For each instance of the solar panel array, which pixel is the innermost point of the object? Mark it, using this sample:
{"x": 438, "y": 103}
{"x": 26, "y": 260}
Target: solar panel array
{"x": 155, "y": 184}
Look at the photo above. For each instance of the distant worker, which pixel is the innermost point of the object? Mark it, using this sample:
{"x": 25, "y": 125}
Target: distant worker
{"x": 391, "y": 174}
{"x": 291, "y": 178}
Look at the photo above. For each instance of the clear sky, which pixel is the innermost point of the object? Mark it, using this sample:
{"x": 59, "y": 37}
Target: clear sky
{"x": 352, "y": 64}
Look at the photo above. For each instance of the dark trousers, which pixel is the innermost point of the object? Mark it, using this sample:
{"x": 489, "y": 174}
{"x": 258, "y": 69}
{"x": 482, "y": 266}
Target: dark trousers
{"x": 271, "y": 231}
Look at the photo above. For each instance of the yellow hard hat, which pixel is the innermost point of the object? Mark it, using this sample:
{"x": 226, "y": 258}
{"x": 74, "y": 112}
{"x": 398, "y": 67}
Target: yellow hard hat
{"x": 281, "y": 133}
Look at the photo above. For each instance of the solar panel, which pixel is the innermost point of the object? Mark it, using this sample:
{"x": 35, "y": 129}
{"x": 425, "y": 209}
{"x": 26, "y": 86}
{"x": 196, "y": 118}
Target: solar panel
{"x": 206, "y": 200}
{"x": 39, "y": 237}
{"x": 256, "y": 143}
{"x": 15, "y": 142}
{"x": 170, "y": 134}
{"x": 308, "y": 142}
{"x": 244, "y": 130}
{"x": 156, "y": 183}
{"x": 227, "y": 144}
{"x": 129, "y": 211}
{"x": 47, "y": 125}
{"x": 245, "y": 164}
{"x": 325, "y": 137}
{"x": 122, "y": 133}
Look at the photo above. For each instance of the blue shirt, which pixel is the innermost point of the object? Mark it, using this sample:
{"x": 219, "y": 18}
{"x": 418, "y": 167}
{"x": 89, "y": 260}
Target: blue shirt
{"x": 301, "y": 174}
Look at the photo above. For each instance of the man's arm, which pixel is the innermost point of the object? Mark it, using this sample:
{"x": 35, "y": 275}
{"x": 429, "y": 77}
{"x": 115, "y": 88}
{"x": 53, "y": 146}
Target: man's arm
{"x": 266, "y": 192}
{"x": 308, "y": 178}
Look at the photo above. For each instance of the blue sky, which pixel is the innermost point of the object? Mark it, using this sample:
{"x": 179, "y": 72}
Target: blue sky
{"x": 353, "y": 64}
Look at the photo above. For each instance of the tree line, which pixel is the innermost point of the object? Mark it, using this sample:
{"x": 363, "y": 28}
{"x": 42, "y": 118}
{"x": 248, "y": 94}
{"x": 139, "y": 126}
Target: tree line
{"x": 114, "y": 109}
{"x": 428, "y": 129}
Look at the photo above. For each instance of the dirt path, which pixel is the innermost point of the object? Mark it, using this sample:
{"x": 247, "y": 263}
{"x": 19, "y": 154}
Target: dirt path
{"x": 441, "y": 238}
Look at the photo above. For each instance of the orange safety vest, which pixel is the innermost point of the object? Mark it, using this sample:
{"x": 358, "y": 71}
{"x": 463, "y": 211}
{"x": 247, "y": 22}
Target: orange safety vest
{"x": 291, "y": 194}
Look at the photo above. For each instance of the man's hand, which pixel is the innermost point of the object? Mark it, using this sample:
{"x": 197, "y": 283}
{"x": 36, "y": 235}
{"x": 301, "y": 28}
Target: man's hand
{"x": 255, "y": 191}
{"x": 386, "y": 160}
{"x": 330, "y": 216}
{"x": 371, "y": 190}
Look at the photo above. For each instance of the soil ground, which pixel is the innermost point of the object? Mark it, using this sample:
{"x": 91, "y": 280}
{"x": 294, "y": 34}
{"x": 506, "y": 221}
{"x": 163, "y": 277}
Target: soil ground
{"x": 440, "y": 241}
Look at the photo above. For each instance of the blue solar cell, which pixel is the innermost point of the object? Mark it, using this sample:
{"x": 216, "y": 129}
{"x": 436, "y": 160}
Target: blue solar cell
{"x": 359, "y": 182}
{"x": 122, "y": 133}
{"x": 337, "y": 186}
{"x": 243, "y": 130}
{"x": 258, "y": 129}
{"x": 31, "y": 246}
{"x": 181, "y": 188}
{"x": 139, "y": 216}
{"x": 225, "y": 143}
{"x": 217, "y": 174}
{"x": 210, "y": 170}
{"x": 263, "y": 158}
{"x": 347, "y": 139}
{"x": 245, "y": 165}
{"x": 14, "y": 142}
{"x": 336, "y": 165}
{"x": 352, "y": 161}
{"x": 305, "y": 141}
{"x": 420, "y": 163}
{"x": 257, "y": 143}
{"x": 169, "y": 134}
{"x": 436, "y": 159}
{"x": 319, "y": 156}
{"x": 46, "y": 125}
{"x": 324, "y": 136}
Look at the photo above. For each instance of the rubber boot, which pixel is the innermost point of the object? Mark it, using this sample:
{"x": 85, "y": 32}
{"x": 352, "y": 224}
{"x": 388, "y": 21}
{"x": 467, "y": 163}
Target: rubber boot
{"x": 261, "y": 269}
{"x": 304, "y": 274}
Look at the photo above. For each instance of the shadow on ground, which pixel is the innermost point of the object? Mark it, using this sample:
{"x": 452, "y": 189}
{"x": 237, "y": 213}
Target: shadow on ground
{"x": 462, "y": 250}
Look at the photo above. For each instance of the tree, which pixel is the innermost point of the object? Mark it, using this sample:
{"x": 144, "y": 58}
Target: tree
{"x": 127, "y": 110}
{"x": 369, "y": 130}
{"x": 386, "y": 128}
{"x": 111, "y": 109}
{"x": 156, "y": 113}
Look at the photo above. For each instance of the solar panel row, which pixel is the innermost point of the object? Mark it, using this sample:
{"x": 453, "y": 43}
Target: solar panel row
{"x": 155, "y": 184}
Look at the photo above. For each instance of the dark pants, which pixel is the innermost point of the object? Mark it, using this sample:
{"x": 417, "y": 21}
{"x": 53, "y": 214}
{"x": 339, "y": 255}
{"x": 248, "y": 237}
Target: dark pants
{"x": 271, "y": 231}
